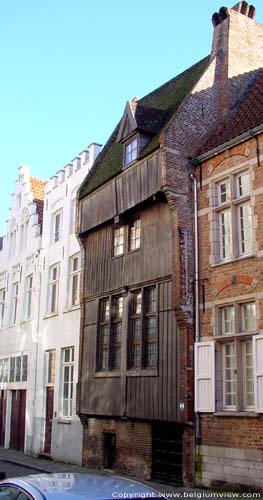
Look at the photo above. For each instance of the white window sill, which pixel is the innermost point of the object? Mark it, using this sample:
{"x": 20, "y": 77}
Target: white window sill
{"x": 50, "y": 315}
{"x": 71, "y": 308}
{"x": 64, "y": 420}
{"x": 230, "y": 261}
{"x": 233, "y": 413}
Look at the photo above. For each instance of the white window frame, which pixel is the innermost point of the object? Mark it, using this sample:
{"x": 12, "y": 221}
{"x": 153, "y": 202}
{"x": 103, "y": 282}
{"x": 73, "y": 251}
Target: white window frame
{"x": 67, "y": 382}
{"x": 14, "y": 303}
{"x": 135, "y": 232}
{"x": 238, "y": 337}
{"x": 118, "y": 241}
{"x": 131, "y": 151}
{"x": 51, "y": 367}
{"x": 57, "y": 225}
{"x": 74, "y": 288}
{"x": 28, "y": 297}
{"x": 2, "y": 306}
{"x": 258, "y": 372}
{"x": 235, "y": 233}
{"x": 53, "y": 288}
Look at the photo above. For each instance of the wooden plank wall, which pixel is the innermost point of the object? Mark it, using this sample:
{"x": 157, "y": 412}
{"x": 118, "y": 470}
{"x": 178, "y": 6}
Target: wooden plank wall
{"x": 131, "y": 187}
{"x": 153, "y": 260}
{"x": 150, "y": 397}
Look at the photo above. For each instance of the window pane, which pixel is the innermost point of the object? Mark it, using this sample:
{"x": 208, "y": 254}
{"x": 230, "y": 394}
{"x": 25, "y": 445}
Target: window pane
{"x": 135, "y": 235}
{"x": 228, "y": 320}
{"x": 223, "y": 191}
{"x": 137, "y": 302}
{"x": 248, "y": 375}
{"x": 151, "y": 354}
{"x": 118, "y": 241}
{"x": 150, "y": 299}
{"x": 243, "y": 185}
{"x": 245, "y": 228}
{"x": 230, "y": 374}
{"x": 225, "y": 234}
{"x": 24, "y": 368}
{"x": 248, "y": 312}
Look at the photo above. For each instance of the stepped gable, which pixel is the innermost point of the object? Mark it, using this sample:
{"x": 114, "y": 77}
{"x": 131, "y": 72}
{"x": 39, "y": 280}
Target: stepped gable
{"x": 37, "y": 188}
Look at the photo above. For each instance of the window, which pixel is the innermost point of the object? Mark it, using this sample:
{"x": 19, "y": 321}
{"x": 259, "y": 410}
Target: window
{"x": 136, "y": 329}
{"x": 131, "y": 151}
{"x": 53, "y": 288}
{"x": 28, "y": 296}
{"x": 110, "y": 333}
{"x": 117, "y": 332}
{"x": 234, "y": 217}
{"x": 4, "y": 370}
{"x": 12, "y": 243}
{"x": 2, "y": 307}
{"x": 74, "y": 279}
{"x": 72, "y": 216}
{"x": 236, "y": 321}
{"x": 57, "y": 226}
{"x": 14, "y": 303}
{"x": 118, "y": 241}
{"x": 51, "y": 361}
{"x": 67, "y": 383}
{"x": 18, "y": 369}
{"x": 135, "y": 235}
{"x": 150, "y": 327}
{"x": 104, "y": 334}
{"x": 143, "y": 329}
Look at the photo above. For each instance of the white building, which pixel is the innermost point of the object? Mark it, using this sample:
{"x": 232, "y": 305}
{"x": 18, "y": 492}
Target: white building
{"x": 40, "y": 315}
{"x": 19, "y": 312}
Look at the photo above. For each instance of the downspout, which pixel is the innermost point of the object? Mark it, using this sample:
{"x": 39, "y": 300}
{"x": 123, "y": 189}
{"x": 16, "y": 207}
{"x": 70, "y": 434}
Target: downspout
{"x": 196, "y": 285}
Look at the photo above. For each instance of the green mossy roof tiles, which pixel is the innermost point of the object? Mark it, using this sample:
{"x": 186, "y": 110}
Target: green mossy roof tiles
{"x": 166, "y": 99}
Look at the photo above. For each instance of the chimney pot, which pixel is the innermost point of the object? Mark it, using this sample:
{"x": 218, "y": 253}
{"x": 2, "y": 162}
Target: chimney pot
{"x": 223, "y": 13}
{"x": 216, "y": 19}
{"x": 244, "y": 8}
{"x": 252, "y": 12}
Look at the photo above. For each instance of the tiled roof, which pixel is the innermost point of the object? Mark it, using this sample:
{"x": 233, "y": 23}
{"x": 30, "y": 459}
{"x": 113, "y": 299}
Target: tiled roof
{"x": 37, "y": 187}
{"x": 246, "y": 115}
{"x": 152, "y": 114}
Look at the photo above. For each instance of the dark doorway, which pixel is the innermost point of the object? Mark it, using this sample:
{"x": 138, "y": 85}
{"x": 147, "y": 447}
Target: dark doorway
{"x": 49, "y": 417}
{"x": 18, "y": 420}
{"x": 167, "y": 453}
{"x": 2, "y": 416}
{"x": 109, "y": 450}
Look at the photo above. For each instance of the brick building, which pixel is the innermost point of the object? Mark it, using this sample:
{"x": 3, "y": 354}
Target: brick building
{"x": 136, "y": 227}
{"x": 229, "y": 355}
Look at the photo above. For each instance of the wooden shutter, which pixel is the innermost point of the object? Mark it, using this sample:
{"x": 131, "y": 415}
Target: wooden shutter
{"x": 205, "y": 376}
{"x": 258, "y": 372}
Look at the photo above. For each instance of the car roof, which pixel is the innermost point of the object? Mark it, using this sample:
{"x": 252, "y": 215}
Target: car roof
{"x": 90, "y": 486}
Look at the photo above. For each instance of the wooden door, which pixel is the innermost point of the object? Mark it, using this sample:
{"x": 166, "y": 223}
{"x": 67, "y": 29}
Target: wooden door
{"x": 18, "y": 420}
{"x": 49, "y": 417}
{"x": 2, "y": 416}
{"x": 167, "y": 454}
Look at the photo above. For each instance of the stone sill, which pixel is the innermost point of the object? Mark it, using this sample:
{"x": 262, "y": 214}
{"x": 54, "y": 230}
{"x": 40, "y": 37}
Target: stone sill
{"x": 231, "y": 261}
{"x": 244, "y": 414}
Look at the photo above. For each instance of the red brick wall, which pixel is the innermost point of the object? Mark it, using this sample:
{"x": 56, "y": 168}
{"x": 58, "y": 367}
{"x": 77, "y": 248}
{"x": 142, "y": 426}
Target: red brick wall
{"x": 133, "y": 446}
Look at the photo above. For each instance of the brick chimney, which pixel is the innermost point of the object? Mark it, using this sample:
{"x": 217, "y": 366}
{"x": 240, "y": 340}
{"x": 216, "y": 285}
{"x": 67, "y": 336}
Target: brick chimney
{"x": 238, "y": 51}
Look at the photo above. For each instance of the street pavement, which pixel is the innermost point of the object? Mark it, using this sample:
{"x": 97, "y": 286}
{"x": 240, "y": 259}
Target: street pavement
{"x": 17, "y": 464}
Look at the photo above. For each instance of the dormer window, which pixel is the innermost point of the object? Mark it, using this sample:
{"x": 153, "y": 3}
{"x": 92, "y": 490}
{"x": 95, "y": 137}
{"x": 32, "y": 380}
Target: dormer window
{"x": 131, "y": 151}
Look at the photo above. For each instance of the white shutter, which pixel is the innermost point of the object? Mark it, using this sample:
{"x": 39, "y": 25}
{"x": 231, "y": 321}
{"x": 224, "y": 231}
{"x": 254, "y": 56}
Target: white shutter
{"x": 258, "y": 372}
{"x": 205, "y": 376}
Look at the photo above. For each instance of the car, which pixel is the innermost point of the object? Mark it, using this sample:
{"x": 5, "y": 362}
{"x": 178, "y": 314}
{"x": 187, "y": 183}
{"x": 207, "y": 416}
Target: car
{"x": 74, "y": 486}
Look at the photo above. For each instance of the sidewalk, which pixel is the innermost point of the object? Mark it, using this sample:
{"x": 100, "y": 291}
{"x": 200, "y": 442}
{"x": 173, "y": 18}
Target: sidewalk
{"x": 49, "y": 466}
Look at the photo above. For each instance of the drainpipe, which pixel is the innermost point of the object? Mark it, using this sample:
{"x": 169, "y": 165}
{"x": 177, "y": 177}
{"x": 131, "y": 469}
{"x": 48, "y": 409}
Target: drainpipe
{"x": 196, "y": 282}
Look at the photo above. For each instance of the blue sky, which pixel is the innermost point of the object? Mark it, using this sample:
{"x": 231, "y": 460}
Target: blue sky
{"x": 69, "y": 66}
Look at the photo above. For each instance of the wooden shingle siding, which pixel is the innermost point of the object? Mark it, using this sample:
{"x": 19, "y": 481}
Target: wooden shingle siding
{"x": 152, "y": 261}
{"x": 134, "y": 185}
{"x": 125, "y": 394}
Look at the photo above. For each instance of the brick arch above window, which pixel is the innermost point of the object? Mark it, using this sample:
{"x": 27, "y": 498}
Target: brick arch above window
{"x": 235, "y": 280}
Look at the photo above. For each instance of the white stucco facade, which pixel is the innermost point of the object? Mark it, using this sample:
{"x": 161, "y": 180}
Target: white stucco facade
{"x": 19, "y": 309}
{"x": 50, "y": 336}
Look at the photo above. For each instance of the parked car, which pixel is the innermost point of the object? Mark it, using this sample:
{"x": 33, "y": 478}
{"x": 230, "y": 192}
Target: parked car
{"x": 74, "y": 486}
